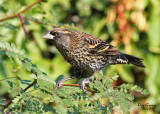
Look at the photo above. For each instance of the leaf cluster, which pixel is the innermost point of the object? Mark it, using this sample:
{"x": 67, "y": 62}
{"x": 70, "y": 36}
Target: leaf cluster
{"x": 106, "y": 98}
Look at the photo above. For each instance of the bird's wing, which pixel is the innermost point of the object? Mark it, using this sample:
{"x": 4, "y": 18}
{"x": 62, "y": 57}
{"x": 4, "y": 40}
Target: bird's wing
{"x": 97, "y": 46}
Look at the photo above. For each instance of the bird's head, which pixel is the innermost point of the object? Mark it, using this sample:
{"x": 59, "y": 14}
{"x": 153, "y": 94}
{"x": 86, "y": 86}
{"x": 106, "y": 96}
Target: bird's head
{"x": 59, "y": 36}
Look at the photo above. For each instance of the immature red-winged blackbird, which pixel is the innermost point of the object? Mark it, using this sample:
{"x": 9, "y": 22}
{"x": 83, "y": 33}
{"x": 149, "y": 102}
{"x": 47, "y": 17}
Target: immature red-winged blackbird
{"x": 87, "y": 53}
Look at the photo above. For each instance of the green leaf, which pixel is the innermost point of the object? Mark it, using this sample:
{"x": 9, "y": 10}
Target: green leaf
{"x": 115, "y": 77}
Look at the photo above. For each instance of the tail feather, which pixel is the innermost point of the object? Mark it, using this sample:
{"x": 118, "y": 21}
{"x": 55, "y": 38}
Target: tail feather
{"x": 129, "y": 59}
{"x": 135, "y": 60}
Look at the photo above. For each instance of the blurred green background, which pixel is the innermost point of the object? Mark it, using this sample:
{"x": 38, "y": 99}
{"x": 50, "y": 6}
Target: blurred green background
{"x": 133, "y": 26}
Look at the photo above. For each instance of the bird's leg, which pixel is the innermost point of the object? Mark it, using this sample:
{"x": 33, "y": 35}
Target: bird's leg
{"x": 77, "y": 75}
{"x": 84, "y": 82}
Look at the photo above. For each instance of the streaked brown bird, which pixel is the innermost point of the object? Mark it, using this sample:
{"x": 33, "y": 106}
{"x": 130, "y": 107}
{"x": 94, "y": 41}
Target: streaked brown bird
{"x": 87, "y": 53}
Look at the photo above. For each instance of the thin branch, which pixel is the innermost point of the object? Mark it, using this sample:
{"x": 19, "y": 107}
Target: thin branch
{"x": 29, "y": 86}
{"x": 8, "y": 78}
{"x": 24, "y": 27}
{"x": 16, "y": 15}
{"x": 34, "y": 20}
{"x": 78, "y": 85}
{"x": 39, "y": 22}
{"x": 75, "y": 85}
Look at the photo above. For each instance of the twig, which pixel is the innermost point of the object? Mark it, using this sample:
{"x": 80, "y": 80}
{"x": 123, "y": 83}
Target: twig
{"x": 24, "y": 27}
{"x": 8, "y": 78}
{"x": 33, "y": 83}
{"x": 16, "y": 15}
{"x": 36, "y": 21}
{"x": 77, "y": 85}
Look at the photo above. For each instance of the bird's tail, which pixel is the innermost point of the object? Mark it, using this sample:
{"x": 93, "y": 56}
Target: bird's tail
{"x": 129, "y": 59}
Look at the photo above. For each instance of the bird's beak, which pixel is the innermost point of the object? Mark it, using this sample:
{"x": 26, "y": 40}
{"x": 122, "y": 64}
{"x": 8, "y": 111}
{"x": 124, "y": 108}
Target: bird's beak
{"x": 48, "y": 36}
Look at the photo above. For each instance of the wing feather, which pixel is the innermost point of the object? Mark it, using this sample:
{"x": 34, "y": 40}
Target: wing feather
{"x": 97, "y": 46}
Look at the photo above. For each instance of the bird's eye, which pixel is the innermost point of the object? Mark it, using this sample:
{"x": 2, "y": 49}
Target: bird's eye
{"x": 55, "y": 33}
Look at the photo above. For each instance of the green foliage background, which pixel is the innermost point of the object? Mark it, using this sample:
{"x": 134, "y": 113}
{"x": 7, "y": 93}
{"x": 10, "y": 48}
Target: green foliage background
{"x": 132, "y": 26}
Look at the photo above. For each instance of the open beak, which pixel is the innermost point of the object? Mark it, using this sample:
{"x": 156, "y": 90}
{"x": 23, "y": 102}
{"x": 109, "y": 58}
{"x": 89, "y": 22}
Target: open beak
{"x": 48, "y": 36}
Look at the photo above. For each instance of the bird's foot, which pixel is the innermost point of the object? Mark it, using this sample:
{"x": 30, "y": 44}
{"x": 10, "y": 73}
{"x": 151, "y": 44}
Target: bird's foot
{"x": 84, "y": 82}
{"x": 60, "y": 84}
{"x": 82, "y": 86}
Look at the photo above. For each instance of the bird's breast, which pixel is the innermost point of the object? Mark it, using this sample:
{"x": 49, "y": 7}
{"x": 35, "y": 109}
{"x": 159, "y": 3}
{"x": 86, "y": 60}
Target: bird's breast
{"x": 81, "y": 58}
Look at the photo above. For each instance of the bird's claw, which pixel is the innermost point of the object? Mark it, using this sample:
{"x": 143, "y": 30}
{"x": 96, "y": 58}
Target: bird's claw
{"x": 59, "y": 84}
{"x": 84, "y": 82}
{"x": 82, "y": 86}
